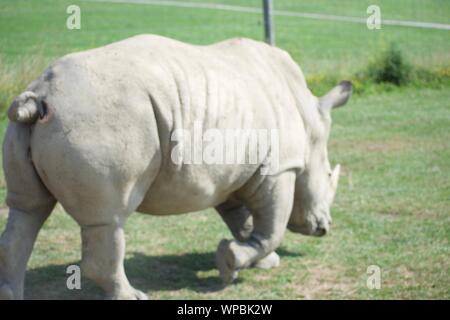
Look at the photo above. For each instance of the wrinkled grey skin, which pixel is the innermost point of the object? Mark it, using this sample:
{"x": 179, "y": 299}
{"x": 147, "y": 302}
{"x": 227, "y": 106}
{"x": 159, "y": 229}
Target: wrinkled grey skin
{"x": 102, "y": 150}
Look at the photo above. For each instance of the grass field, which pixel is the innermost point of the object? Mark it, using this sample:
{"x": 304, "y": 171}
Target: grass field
{"x": 392, "y": 208}
{"x": 30, "y": 27}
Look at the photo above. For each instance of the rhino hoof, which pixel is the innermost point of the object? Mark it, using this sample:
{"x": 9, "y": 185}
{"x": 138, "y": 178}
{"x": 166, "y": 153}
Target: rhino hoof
{"x": 270, "y": 261}
{"x": 131, "y": 294}
{"x": 139, "y": 295}
{"x": 226, "y": 262}
{"x": 6, "y": 293}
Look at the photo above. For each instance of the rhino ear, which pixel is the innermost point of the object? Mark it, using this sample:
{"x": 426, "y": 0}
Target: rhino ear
{"x": 338, "y": 96}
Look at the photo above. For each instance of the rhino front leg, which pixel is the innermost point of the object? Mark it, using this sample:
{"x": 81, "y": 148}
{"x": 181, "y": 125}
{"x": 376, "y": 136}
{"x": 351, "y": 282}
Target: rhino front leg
{"x": 238, "y": 219}
{"x": 271, "y": 205}
{"x": 102, "y": 261}
{"x": 240, "y": 222}
{"x": 16, "y": 244}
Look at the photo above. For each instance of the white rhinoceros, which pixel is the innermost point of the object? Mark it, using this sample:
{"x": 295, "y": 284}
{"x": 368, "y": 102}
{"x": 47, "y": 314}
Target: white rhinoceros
{"x": 96, "y": 131}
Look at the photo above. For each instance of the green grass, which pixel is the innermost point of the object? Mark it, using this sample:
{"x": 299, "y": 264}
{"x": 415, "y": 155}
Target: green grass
{"x": 27, "y": 27}
{"x": 391, "y": 211}
{"x": 32, "y": 33}
{"x": 392, "y": 207}
{"x": 435, "y": 10}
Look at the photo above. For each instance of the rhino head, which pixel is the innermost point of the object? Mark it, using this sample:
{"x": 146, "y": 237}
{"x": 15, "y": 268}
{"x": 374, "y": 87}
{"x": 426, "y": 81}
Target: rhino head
{"x": 316, "y": 184}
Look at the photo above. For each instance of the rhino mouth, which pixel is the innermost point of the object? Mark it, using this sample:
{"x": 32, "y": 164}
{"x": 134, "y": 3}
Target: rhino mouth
{"x": 299, "y": 229}
{"x": 318, "y": 231}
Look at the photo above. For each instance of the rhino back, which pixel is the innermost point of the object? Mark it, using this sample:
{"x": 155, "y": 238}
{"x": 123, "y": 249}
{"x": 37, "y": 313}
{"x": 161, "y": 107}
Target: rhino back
{"x": 234, "y": 85}
{"x": 115, "y": 108}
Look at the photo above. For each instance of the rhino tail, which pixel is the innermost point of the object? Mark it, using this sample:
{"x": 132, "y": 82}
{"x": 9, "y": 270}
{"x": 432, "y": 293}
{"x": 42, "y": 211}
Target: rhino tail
{"x": 26, "y": 108}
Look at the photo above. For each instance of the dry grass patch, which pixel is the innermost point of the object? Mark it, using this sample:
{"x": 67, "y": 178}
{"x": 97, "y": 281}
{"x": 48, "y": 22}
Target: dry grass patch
{"x": 319, "y": 281}
{"x": 15, "y": 77}
{"x": 375, "y": 145}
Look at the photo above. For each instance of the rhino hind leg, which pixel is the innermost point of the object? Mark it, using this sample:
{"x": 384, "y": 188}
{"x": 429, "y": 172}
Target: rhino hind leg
{"x": 240, "y": 222}
{"x": 102, "y": 235}
{"x": 271, "y": 206}
{"x": 16, "y": 245}
{"x": 102, "y": 261}
{"x": 30, "y": 204}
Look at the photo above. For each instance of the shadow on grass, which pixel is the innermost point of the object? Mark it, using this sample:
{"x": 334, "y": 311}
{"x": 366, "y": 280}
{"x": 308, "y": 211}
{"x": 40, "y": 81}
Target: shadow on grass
{"x": 147, "y": 273}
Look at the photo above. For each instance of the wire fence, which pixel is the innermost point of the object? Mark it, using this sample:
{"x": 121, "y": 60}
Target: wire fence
{"x": 269, "y": 3}
{"x": 325, "y": 35}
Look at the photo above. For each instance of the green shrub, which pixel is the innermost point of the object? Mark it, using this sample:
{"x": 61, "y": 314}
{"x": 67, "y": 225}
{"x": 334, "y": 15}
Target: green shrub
{"x": 386, "y": 72}
{"x": 389, "y": 67}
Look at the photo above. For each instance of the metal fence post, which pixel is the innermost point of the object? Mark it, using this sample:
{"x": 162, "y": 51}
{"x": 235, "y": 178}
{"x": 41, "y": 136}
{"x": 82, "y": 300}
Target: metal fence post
{"x": 268, "y": 26}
